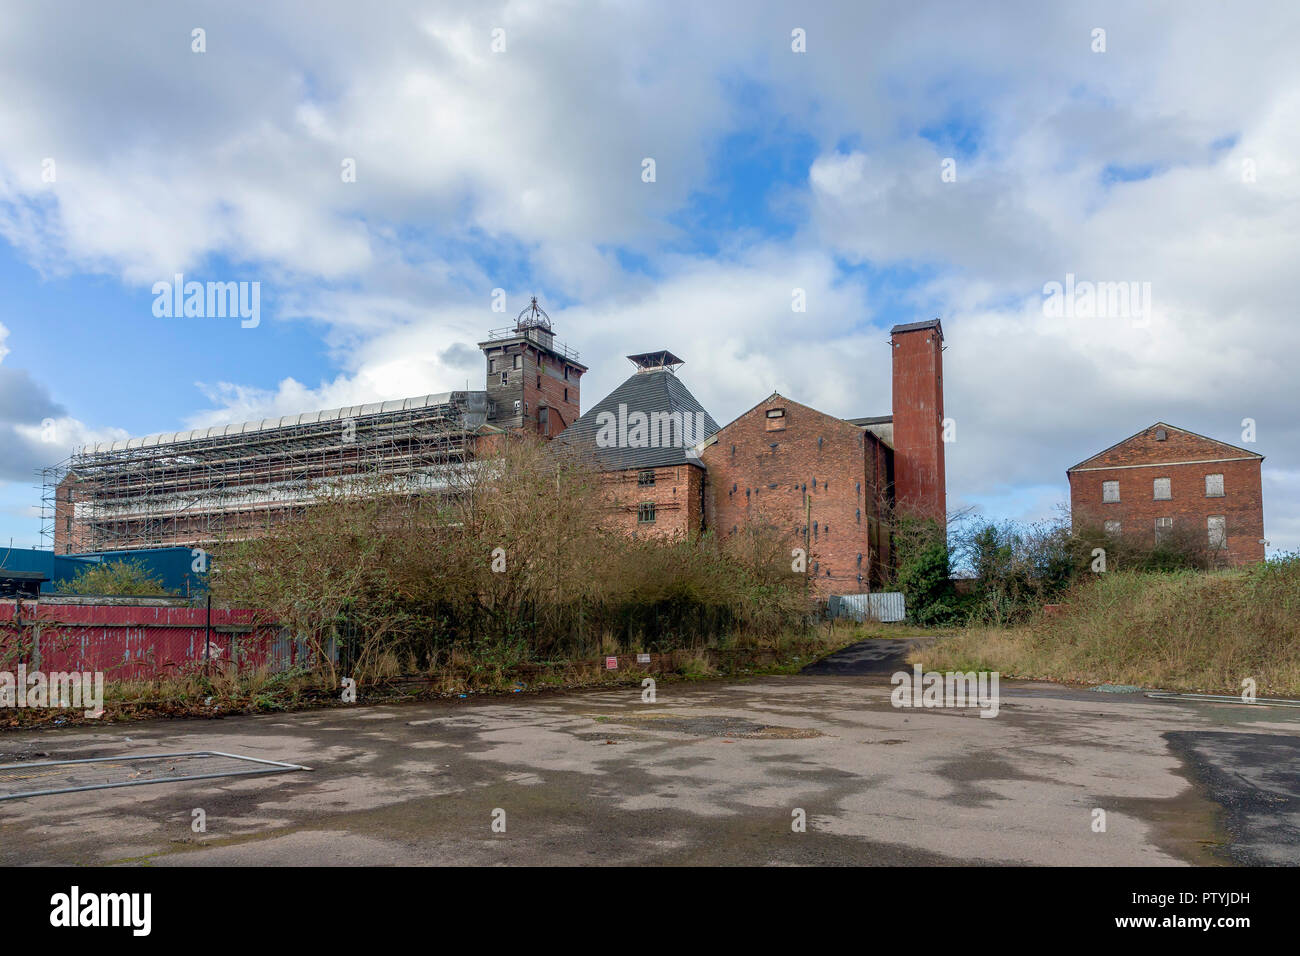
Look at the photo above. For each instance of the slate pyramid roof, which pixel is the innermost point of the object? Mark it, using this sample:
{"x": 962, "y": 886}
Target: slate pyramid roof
{"x": 650, "y": 392}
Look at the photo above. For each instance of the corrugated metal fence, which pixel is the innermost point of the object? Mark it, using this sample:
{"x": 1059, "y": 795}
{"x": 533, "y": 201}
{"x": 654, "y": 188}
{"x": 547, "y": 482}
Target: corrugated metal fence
{"x": 140, "y": 641}
{"x": 886, "y": 606}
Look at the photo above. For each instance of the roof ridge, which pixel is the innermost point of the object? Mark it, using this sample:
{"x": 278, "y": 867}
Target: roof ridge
{"x": 1163, "y": 424}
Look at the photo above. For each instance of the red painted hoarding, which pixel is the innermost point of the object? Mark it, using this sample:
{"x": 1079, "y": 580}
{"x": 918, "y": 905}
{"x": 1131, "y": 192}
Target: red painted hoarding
{"x": 138, "y": 642}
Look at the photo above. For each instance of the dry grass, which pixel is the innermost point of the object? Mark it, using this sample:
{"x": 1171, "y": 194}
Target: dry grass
{"x": 1188, "y": 631}
{"x": 250, "y": 692}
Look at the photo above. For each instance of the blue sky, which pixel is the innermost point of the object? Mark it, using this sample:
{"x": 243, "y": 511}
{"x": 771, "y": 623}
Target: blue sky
{"x": 521, "y": 169}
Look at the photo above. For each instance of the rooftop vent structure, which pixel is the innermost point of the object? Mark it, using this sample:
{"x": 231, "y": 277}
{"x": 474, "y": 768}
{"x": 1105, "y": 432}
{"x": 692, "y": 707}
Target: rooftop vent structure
{"x": 654, "y": 361}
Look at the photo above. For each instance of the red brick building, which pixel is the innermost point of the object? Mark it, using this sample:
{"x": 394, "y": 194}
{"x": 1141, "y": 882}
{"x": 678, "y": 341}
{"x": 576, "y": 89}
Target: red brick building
{"x": 641, "y": 435}
{"x": 1167, "y": 481}
{"x": 832, "y": 482}
{"x": 822, "y": 479}
{"x": 669, "y": 469}
{"x": 828, "y": 483}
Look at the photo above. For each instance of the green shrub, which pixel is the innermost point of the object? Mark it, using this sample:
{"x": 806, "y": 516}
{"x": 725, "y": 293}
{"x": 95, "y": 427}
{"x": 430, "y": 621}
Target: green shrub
{"x": 125, "y": 577}
{"x": 514, "y": 566}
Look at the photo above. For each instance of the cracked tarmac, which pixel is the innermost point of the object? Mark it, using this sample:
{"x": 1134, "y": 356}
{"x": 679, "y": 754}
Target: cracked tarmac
{"x": 712, "y": 773}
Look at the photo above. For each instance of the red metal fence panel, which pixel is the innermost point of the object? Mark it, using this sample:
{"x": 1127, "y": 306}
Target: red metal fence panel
{"x": 139, "y": 641}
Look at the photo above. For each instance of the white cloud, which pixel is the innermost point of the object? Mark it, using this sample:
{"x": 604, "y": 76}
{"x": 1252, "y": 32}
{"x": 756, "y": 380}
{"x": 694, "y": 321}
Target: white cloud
{"x": 477, "y": 170}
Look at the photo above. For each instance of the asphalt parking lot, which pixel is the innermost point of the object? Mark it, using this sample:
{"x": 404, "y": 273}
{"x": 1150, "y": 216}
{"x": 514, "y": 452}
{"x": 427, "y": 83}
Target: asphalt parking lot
{"x": 711, "y": 773}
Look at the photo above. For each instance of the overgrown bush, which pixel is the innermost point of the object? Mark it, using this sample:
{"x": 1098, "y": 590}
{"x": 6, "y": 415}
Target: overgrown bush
{"x": 126, "y": 577}
{"x": 1016, "y": 567}
{"x": 508, "y": 563}
{"x": 922, "y": 571}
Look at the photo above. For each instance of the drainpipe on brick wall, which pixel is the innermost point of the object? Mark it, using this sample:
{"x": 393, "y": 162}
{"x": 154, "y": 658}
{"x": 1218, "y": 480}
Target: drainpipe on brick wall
{"x": 807, "y": 547}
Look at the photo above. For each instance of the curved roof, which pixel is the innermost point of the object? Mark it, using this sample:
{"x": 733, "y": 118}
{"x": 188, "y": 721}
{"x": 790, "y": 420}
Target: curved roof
{"x": 286, "y": 421}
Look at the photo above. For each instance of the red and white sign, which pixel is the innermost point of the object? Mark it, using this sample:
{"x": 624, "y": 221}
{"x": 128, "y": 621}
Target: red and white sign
{"x": 611, "y": 663}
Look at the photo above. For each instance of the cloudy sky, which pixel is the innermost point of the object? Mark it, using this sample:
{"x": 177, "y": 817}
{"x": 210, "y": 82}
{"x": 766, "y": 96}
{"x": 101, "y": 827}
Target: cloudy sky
{"x": 896, "y": 161}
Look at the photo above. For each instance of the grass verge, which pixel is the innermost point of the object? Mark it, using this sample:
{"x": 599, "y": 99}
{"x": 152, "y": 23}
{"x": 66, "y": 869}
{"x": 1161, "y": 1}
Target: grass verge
{"x": 1186, "y": 631}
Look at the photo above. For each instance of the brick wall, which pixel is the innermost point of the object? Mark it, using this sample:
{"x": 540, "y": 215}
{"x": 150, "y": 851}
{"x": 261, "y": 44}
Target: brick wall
{"x": 760, "y": 468}
{"x": 920, "y": 480}
{"x": 677, "y": 496}
{"x": 544, "y": 379}
{"x": 69, "y": 534}
{"x": 1185, "y": 459}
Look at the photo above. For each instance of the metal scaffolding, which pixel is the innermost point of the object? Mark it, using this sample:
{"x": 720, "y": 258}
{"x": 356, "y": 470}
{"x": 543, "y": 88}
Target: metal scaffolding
{"x": 196, "y": 488}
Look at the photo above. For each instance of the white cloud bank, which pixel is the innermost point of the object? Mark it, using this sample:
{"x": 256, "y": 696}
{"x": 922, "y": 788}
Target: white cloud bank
{"x": 478, "y": 169}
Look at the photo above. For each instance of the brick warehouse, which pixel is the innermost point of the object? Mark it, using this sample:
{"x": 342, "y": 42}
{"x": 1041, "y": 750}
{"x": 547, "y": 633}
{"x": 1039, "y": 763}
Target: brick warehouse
{"x": 641, "y": 436}
{"x": 826, "y": 481}
{"x": 833, "y": 482}
{"x": 1165, "y": 481}
{"x": 786, "y": 462}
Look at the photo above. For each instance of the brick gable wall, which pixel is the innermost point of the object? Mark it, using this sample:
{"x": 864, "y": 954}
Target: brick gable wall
{"x": 1185, "y": 460}
{"x": 758, "y": 473}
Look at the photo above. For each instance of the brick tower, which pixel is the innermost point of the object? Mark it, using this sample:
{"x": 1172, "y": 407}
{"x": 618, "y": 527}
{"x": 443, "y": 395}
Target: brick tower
{"x": 918, "y": 419}
{"x": 532, "y": 381}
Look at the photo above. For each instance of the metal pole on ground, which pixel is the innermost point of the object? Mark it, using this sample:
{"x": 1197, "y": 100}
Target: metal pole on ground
{"x": 207, "y": 641}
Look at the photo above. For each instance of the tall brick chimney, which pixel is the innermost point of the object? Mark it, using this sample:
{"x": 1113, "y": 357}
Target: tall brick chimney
{"x": 919, "y": 483}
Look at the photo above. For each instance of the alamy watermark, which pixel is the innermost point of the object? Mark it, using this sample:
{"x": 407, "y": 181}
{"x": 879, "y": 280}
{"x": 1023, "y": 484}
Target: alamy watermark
{"x": 1084, "y": 299}
{"x": 128, "y": 910}
{"x": 638, "y": 429}
{"x": 58, "y": 690}
{"x": 951, "y": 689}
{"x": 208, "y": 300}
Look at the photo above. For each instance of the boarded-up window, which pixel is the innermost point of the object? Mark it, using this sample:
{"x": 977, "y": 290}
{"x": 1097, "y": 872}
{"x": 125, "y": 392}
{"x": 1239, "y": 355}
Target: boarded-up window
{"x": 775, "y": 419}
{"x": 519, "y": 361}
{"x": 1161, "y": 489}
{"x": 1164, "y": 529}
{"x": 1214, "y": 486}
{"x": 1217, "y": 526}
{"x": 1110, "y": 491}
{"x": 1112, "y": 529}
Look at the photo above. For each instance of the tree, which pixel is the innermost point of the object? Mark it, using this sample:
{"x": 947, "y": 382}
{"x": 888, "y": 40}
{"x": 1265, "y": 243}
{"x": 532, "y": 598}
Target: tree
{"x": 921, "y": 569}
{"x": 125, "y": 577}
{"x": 497, "y": 561}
